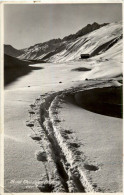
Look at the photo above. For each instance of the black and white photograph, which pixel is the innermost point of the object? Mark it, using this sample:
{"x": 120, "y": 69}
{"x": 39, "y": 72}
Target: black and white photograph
{"x": 62, "y": 90}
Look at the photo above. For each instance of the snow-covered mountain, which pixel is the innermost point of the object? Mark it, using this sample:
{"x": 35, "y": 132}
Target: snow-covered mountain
{"x": 102, "y": 42}
{"x": 94, "y": 43}
{"x": 40, "y": 50}
{"x": 93, "y": 39}
{"x": 54, "y": 46}
{"x": 105, "y": 48}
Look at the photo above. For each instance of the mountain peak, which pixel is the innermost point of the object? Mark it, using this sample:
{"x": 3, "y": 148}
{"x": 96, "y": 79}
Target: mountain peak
{"x": 85, "y": 30}
{"x": 95, "y": 23}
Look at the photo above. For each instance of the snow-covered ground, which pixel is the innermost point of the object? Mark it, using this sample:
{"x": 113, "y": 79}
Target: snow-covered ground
{"x": 22, "y": 170}
{"x": 100, "y": 141}
{"x": 20, "y": 160}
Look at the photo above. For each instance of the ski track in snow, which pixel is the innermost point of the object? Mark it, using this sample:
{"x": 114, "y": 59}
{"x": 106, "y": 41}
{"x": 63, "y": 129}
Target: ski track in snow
{"x": 66, "y": 173}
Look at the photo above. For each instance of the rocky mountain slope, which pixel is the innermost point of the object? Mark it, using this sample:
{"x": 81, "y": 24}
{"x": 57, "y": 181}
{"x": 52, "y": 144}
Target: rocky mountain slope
{"x": 11, "y": 51}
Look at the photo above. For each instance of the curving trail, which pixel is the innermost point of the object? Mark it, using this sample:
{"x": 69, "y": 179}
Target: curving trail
{"x": 71, "y": 166}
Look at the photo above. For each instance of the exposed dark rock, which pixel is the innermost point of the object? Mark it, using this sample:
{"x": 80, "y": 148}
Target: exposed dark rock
{"x": 15, "y": 68}
{"x": 91, "y": 167}
{"x": 81, "y": 69}
{"x": 11, "y": 51}
{"x": 87, "y": 29}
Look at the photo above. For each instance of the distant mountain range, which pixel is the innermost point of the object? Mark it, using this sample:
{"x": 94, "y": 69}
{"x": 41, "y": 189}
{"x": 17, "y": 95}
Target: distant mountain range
{"x": 48, "y": 48}
{"x": 102, "y": 43}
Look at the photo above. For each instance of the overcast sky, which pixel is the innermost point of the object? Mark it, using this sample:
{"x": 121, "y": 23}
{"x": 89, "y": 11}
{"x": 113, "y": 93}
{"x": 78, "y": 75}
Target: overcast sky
{"x": 26, "y": 25}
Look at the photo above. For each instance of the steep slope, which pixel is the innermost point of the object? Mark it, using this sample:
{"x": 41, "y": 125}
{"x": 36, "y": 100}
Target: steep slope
{"x": 94, "y": 43}
{"x": 11, "y": 51}
{"x": 38, "y": 51}
{"x": 108, "y": 64}
{"x": 14, "y": 68}
{"x": 104, "y": 47}
{"x": 87, "y": 29}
